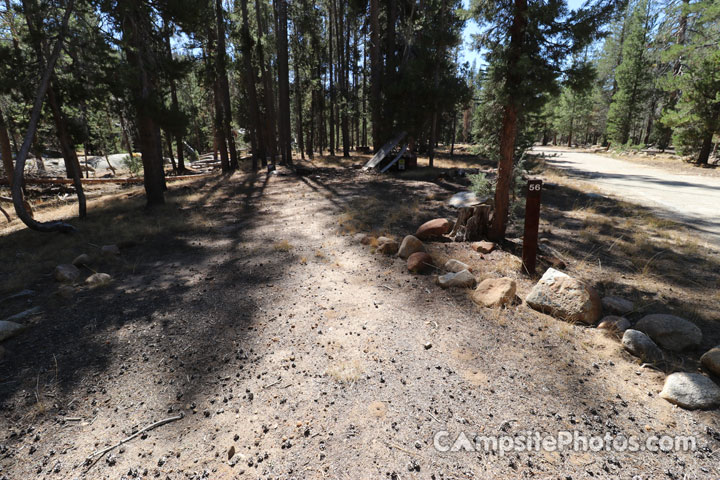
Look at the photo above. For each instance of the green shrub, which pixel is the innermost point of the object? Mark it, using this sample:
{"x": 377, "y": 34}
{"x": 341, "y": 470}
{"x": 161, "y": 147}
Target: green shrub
{"x": 133, "y": 163}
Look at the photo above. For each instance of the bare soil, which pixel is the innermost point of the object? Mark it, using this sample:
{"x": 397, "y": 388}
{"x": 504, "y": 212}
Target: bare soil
{"x": 247, "y": 304}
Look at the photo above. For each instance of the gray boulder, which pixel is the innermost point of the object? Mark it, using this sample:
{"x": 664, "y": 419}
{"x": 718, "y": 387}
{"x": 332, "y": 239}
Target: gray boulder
{"x": 671, "y": 332}
{"x": 9, "y": 329}
{"x": 66, "y": 273}
{"x": 455, "y": 266}
{"x": 82, "y": 259}
{"x": 562, "y": 296}
{"x": 691, "y": 391}
{"x": 461, "y": 279}
{"x": 617, "y": 305}
{"x": 641, "y": 346}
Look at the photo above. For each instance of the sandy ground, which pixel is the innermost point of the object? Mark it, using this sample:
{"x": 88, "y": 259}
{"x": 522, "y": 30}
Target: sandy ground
{"x": 690, "y": 199}
{"x": 298, "y": 352}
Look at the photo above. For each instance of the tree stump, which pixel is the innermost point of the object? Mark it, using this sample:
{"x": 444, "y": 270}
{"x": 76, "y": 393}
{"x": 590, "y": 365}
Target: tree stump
{"x": 473, "y": 223}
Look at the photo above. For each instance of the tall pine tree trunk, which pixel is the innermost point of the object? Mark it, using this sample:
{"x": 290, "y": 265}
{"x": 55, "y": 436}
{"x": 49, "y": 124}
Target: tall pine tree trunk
{"x": 299, "y": 107}
{"x": 136, "y": 27}
{"x": 330, "y": 65}
{"x": 375, "y": 74}
{"x": 269, "y": 95}
{"x": 508, "y": 132}
{"x": 222, "y": 76}
{"x": 250, "y": 76}
{"x": 283, "y": 80}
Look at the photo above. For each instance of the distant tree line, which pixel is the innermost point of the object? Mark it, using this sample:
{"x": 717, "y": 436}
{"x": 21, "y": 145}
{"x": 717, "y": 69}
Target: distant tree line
{"x": 654, "y": 80}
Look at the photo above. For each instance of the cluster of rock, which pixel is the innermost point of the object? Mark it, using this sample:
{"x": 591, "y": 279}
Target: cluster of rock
{"x": 567, "y": 298}
{"x": 69, "y": 273}
{"x": 490, "y": 292}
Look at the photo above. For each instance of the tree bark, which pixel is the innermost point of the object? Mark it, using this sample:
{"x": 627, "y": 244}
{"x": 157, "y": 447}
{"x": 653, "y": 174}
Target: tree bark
{"x": 258, "y": 141}
{"x": 509, "y": 123}
{"x": 222, "y": 77}
{"x": 17, "y": 194}
{"x": 299, "y": 107}
{"x": 705, "y": 149}
{"x": 136, "y": 27}
{"x": 331, "y": 60}
{"x": 375, "y": 74}
{"x": 72, "y": 165}
{"x": 283, "y": 80}
{"x": 6, "y": 150}
{"x": 176, "y": 108}
{"x": 269, "y": 95}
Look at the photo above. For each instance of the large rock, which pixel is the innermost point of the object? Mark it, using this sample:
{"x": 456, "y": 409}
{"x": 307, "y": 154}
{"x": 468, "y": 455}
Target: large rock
{"x": 617, "y": 305}
{"x": 419, "y": 262}
{"x": 614, "y": 324}
{"x": 494, "y": 292}
{"x": 711, "y": 360}
{"x": 410, "y": 244}
{"x": 9, "y": 329}
{"x": 98, "y": 280}
{"x": 565, "y": 297}
{"x": 455, "y": 266}
{"x": 641, "y": 346}
{"x": 671, "y": 332}
{"x": 461, "y": 279}
{"x": 386, "y": 245}
{"x": 691, "y": 390}
{"x": 66, "y": 273}
{"x": 483, "y": 246}
{"x": 82, "y": 259}
{"x": 434, "y": 229}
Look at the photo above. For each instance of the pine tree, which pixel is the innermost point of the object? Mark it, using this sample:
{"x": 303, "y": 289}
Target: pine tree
{"x": 524, "y": 64}
{"x": 696, "y": 116}
{"x": 632, "y": 77}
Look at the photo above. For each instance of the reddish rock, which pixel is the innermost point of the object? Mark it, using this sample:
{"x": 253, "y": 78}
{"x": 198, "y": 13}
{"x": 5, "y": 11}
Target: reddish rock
{"x": 434, "y": 229}
{"x": 420, "y": 262}
{"x": 483, "y": 247}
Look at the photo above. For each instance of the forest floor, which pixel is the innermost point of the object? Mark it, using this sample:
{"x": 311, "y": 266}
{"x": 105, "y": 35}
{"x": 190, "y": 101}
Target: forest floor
{"x": 291, "y": 350}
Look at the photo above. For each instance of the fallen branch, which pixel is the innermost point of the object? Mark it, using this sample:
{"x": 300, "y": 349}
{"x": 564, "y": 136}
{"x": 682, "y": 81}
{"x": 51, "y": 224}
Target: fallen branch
{"x": 98, "y": 454}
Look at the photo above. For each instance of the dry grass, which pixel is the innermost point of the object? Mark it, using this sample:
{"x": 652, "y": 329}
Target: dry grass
{"x": 282, "y": 246}
{"x": 346, "y": 371}
{"x": 114, "y": 219}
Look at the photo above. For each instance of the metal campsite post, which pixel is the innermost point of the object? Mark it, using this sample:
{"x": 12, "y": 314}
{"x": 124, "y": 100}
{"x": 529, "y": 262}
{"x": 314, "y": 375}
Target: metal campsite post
{"x": 532, "y": 220}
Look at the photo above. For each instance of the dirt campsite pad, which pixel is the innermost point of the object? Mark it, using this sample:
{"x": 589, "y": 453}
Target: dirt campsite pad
{"x": 247, "y": 314}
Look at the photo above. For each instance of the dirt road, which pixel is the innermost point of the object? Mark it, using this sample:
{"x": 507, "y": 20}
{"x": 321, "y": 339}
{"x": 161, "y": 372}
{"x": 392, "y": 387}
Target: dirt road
{"x": 690, "y": 199}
